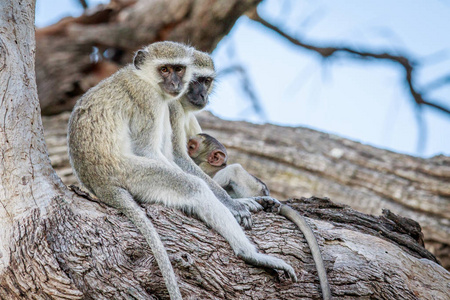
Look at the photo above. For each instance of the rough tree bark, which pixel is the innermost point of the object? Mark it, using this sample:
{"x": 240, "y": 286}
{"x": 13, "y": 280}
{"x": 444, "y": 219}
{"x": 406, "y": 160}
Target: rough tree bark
{"x": 57, "y": 245}
{"x": 27, "y": 178}
{"x": 305, "y": 162}
{"x": 297, "y": 162}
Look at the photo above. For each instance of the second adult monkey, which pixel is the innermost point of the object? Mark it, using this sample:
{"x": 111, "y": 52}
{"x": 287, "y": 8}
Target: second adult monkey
{"x": 184, "y": 123}
{"x": 209, "y": 154}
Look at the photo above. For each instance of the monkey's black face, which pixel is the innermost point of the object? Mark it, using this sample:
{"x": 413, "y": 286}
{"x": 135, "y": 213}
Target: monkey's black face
{"x": 172, "y": 76}
{"x": 198, "y": 91}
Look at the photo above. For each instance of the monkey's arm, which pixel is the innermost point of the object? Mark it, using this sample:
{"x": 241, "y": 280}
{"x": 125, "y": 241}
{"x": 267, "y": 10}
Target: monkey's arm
{"x": 237, "y": 206}
{"x": 242, "y": 183}
{"x": 182, "y": 126}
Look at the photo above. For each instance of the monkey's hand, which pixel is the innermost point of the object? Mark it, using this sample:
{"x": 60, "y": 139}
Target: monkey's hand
{"x": 251, "y": 203}
{"x": 241, "y": 211}
{"x": 268, "y": 203}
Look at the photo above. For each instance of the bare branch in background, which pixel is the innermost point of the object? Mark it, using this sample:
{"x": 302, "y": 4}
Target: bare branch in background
{"x": 117, "y": 30}
{"x": 438, "y": 83}
{"x": 84, "y": 4}
{"x": 406, "y": 63}
{"x": 247, "y": 87}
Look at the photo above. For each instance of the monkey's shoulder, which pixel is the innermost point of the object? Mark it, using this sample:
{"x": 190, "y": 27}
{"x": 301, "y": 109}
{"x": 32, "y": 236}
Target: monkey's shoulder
{"x": 122, "y": 90}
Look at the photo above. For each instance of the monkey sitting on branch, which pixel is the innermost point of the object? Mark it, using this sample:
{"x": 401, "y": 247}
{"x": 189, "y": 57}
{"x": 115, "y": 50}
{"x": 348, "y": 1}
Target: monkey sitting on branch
{"x": 120, "y": 148}
{"x": 184, "y": 125}
{"x": 211, "y": 156}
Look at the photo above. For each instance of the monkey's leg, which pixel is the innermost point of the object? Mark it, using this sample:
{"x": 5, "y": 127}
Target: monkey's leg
{"x": 155, "y": 182}
{"x": 124, "y": 202}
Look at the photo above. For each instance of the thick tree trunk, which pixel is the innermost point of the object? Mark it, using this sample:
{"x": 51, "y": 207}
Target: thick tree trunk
{"x": 304, "y": 162}
{"x": 27, "y": 178}
{"x": 297, "y": 162}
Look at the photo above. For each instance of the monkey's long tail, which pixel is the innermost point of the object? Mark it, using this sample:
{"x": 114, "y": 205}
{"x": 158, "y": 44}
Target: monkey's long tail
{"x": 145, "y": 226}
{"x": 298, "y": 220}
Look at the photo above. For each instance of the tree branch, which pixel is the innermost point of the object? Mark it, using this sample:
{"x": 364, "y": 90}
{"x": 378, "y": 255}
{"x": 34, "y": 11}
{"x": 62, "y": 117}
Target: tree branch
{"x": 122, "y": 27}
{"x": 246, "y": 87}
{"x": 326, "y": 52}
{"x": 84, "y": 4}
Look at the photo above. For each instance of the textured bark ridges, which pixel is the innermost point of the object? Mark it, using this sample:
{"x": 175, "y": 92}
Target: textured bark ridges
{"x": 297, "y": 162}
{"x": 404, "y": 232}
{"x": 34, "y": 272}
{"x": 27, "y": 179}
{"x": 86, "y": 250}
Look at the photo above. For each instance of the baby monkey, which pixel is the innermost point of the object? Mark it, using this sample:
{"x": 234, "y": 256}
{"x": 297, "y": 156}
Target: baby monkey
{"x": 211, "y": 156}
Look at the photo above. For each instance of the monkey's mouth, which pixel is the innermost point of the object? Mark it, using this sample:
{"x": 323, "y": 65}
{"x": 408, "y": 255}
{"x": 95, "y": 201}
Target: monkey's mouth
{"x": 173, "y": 93}
{"x": 196, "y": 99}
{"x": 198, "y": 103}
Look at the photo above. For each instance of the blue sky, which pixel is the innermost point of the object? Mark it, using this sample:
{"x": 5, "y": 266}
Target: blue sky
{"x": 366, "y": 101}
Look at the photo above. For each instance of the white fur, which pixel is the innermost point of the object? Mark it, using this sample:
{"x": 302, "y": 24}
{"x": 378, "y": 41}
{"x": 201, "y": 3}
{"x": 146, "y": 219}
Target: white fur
{"x": 204, "y": 72}
{"x": 172, "y": 61}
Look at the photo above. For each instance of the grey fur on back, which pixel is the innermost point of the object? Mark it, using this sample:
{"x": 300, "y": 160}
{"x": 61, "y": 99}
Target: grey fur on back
{"x": 119, "y": 132}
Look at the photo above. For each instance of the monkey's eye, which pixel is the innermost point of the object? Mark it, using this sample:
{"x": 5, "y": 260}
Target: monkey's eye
{"x": 208, "y": 80}
{"x": 164, "y": 69}
{"x": 178, "y": 69}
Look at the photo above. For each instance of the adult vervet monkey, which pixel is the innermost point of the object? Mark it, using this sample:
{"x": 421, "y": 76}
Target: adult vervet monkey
{"x": 211, "y": 156}
{"x": 118, "y": 144}
{"x": 121, "y": 150}
{"x": 184, "y": 123}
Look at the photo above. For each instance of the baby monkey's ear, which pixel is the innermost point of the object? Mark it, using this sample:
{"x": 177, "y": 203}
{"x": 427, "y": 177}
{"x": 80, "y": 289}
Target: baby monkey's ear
{"x": 217, "y": 158}
{"x": 193, "y": 145}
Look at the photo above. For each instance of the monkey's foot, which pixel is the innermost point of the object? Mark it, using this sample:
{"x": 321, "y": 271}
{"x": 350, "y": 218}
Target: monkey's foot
{"x": 264, "y": 260}
{"x": 268, "y": 203}
{"x": 241, "y": 212}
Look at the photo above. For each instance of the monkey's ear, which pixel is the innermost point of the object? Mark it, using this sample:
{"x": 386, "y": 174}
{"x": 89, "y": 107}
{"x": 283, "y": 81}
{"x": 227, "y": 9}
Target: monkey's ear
{"x": 217, "y": 158}
{"x": 193, "y": 145}
{"x": 139, "y": 58}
